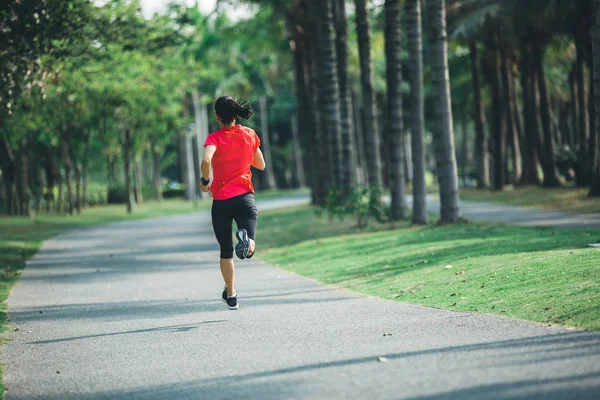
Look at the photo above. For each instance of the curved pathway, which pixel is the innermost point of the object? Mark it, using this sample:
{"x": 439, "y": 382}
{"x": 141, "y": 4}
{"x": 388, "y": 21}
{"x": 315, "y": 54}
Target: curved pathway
{"x": 132, "y": 311}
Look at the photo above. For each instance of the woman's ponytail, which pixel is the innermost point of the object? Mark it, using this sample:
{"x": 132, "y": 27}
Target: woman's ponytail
{"x": 228, "y": 109}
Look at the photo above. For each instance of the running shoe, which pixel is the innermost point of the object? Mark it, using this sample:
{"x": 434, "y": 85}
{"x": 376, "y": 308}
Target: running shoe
{"x": 241, "y": 249}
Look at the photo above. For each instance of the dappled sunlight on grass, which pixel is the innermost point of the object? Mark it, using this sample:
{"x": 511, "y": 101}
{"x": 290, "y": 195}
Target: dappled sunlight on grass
{"x": 544, "y": 275}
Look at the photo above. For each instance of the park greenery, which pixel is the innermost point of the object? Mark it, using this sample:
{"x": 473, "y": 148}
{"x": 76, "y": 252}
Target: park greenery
{"x": 474, "y": 267}
{"x": 351, "y": 97}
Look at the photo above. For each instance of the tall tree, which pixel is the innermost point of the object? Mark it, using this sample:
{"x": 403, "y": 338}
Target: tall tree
{"x": 395, "y": 129}
{"x": 329, "y": 90}
{"x": 443, "y": 132}
{"x": 415, "y": 55}
{"x": 595, "y": 189}
{"x": 370, "y": 124}
{"x": 481, "y": 148}
{"x": 341, "y": 29}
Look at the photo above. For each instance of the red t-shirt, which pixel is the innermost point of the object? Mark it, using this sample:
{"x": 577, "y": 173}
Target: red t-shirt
{"x": 231, "y": 163}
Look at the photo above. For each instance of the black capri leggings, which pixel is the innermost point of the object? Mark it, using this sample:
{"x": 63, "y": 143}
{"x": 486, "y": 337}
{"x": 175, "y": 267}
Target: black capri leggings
{"x": 243, "y": 210}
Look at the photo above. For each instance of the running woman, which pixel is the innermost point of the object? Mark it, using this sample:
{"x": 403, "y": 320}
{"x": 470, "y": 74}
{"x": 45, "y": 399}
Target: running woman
{"x": 231, "y": 151}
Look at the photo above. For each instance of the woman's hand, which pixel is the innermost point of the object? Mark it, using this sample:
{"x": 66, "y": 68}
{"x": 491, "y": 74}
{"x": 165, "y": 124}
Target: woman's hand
{"x": 205, "y": 188}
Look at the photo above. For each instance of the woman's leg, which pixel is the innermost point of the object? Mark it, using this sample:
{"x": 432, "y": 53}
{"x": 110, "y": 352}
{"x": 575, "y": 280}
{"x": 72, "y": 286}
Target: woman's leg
{"x": 246, "y": 217}
{"x": 221, "y": 221}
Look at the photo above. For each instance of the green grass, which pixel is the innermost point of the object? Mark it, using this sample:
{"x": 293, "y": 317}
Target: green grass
{"x": 565, "y": 198}
{"x": 537, "y": 274}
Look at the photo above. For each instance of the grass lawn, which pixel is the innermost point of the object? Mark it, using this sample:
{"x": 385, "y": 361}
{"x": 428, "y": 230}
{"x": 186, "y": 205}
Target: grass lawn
{"x": 566, "y": 198}
{"x": 537, "y": 274}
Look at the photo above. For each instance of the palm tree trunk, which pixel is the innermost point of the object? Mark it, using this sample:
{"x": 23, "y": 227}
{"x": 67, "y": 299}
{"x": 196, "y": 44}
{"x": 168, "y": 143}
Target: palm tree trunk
{"x": 481, "y": 150}
{"x": 512, "y": 132}
{"x": 266, "y": 144}
{"x": 319, "y": 156}
{"x": 443, "y": 131}
{"x": 395, "y": 131}
{"x": 346, "y": 162}
{"x": 329, "y": 91}
{"x": 583, "y": 172}
{"x": 415, "y": 55}
{"x": 595, "y": 188}
{"x": 306, "y": 138}
{"x": 371, "y": 128}
{"x": 359, "y": 139}
{"x": 551, "y": 178}
{"x": 530, "y": 173}
{"x": 298, "y": 178}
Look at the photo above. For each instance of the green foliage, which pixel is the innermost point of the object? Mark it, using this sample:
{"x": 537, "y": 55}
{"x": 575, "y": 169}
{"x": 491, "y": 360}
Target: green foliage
{"x": 362, "y": 203}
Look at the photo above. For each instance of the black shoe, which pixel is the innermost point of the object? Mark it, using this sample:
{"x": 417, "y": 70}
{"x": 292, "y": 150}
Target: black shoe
{"x": 241, "y": 249}
{"x": 231, "y": 301}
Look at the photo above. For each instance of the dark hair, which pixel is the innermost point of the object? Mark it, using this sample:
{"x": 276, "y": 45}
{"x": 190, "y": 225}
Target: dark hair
{"x": 229, "y": 109}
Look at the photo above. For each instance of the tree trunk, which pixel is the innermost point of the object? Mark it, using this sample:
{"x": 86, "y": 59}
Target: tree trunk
{"x": 530, "y": 173}
{"x": 187, "y": 166}
{"x": 78, "y": 197}
{"x": 415, "y": 54}
{"x": 23, "y": 192}
{"x": 298, "y": 179}
{"x": 371, "y": 129}
{"x": 510, "y": 110}
{"x": 66, "y": 146}
{"x": 443, "y": 132}
{"x": 156, "y": 174}
{"x": 465, "y": 150}
{"x": 341, "y": 44}
{"x": 201, "y": 125}
{"x": 551, "y": 178}
{"x": 319, "y": 156}
{"x": 137, "y": 173}
{"x": 305, "y": 138}
{"x": 266, "y": 145}
{"x": 574, "y": 108}
{"x": 359, "y": 139}
{"x": 493, "y": 74}
{"x": 593, "y": 140}
{"x": 595, "y": 188}
{"x": 395, "y": 131}
{"x": 85, "y": 162}
{"x": 583, "y": 174}
{"x": 481, "y": 150}
{"x": 127, "y": 158}
{"x": 329, "y": 92}
{"x": 60, "y": 199}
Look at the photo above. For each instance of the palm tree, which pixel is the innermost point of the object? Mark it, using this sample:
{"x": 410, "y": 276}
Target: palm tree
{"x": 371, "y": 129}
{"x": 395, "y": 134}
{"x": 483, "y": 173}
{"x": 415, "y": 55}
{"x": 443, "y": 132}
{"x": 328, "y": 87}
{"x": 595, "y": 189}
{"x": 341, "y": 28}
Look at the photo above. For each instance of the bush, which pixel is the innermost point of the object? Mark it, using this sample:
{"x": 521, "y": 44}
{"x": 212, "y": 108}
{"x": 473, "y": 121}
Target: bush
{"x": 173, "y": 193}
{"x": 362, "y": 203}
{"x": 117, "y": 194}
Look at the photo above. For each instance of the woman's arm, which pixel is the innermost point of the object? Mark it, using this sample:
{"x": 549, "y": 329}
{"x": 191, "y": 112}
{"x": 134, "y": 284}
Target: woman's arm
{"x": 258, "y": 161}
{"x": 209, "y": 152}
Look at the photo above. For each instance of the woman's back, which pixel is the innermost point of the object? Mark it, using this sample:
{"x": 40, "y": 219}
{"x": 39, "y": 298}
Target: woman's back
{"x": 235, "y": 149}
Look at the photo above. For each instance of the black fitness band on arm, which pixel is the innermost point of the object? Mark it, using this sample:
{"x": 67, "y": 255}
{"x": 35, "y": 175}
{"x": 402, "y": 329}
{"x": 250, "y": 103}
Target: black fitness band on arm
{"x": 203, "y": 181}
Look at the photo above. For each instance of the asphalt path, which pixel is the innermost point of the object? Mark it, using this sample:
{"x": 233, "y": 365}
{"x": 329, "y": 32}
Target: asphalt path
{"x": 132, "y": 310}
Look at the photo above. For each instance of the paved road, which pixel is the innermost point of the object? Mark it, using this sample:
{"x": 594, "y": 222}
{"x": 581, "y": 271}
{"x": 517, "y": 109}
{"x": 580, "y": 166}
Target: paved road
{"x": 132, "y": 310}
